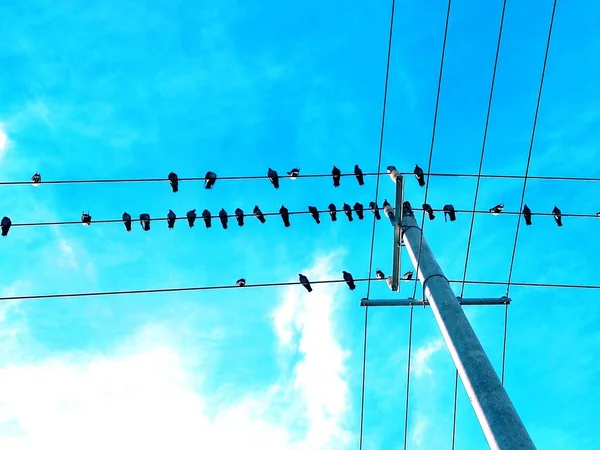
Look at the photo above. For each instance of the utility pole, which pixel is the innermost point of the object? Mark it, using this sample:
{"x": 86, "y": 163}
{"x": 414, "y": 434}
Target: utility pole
{"x": 497, "y": 416}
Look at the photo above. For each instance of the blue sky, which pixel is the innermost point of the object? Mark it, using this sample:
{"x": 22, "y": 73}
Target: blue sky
{"x": 139, "y": 89}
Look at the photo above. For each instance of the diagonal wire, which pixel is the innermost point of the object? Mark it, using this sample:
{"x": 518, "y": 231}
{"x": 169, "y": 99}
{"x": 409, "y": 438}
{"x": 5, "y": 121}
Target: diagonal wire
{"x": 455, "y": 404}
{"x": 410, "y": 329}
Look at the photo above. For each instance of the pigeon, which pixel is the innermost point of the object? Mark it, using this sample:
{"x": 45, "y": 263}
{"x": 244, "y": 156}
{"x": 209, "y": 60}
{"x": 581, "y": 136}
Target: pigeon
{"x": 379, "y": 274}
{"x": 259, "y": 215}
{"x": 285, "y": 216}
{"x": 336, "y": 174}
{"x": 239, "y": 216}
{"x": 241, "y": 282}
{"x": 359, "y": 209}
{"x": 527, "y": 215}
{"x": 429, "y": 210}
{"x": 333, "y": 212}
{"x": 36, "y": 179}
{"x": 209, "y": 179}
{"x": 223, "y": 218}
{"x": 449, "y": 210}
{"x": 348, "y": 211}
{"x": 349, "y": 280}
{"x": 145, "y": 221}
{"x": 394, "y": 174}
{"x": 5, "y": 224}
{"x": 127, "y": 221}
{"x": 359, "y": 175}
{"x": 314, "y": 212}
{"x": 174, "y": 180}
{"x": 375, "y": 210}
{"x": 191, "y": 217}
{"x": 86, "y": 219}
{"x": 557, "y": 216}
{"x": 305, "y": 282}
{"x": 389, "y": 211}
{"x": 273, "y": 177}
{"x": 294, "y": 173}
{"x": 171, "y": 218}
{"x": 388, "y": 281}
{"x": 419, "y": 175}
{"x": 497, "y": 209}
{"x": 408, "y": 275}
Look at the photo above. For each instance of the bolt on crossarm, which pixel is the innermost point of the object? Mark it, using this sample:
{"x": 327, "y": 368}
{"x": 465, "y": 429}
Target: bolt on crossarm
{"x": 499, "y": 420}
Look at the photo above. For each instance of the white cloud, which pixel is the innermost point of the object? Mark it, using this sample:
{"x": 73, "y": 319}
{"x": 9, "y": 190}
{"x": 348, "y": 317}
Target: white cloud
{"x": 3, "y": 142}
{"x": 419, "y": 428}
{"x": 420, "y": 364}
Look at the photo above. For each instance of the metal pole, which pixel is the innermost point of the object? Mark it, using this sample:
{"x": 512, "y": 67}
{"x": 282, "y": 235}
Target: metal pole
{"x": 397, "y": 251}
{"x": 497, "y": 416}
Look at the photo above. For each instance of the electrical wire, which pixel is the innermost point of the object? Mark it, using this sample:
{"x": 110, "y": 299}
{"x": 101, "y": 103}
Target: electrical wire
{"x": 406, "y": 404}
{"x": 455, "y": 408}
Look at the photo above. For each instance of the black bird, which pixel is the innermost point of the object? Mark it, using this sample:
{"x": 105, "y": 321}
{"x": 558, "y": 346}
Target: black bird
{"x": 557, "y": 216}
{"x": 429, "y": 210}
{"x": 239, "y": 216}
{"x": 393, "y": 173}
{"x": 5, "y": 224}
{"x": 359, "y": 175}
{"x": 285, "y": 216}
{"x": 333, "y": 212}
{"x": 36, "y": 179}
{"x": 379, "y": 274}
{"x": 348, "y": 211}
{"x": 349, "y": 280}
{"x": 207, "y": 218}
{"x": 127, "y": 221}
{"x": 191, "y": 217}
{"x": 273, "y": 177}
{"x": 174, "y": 180}
{"x": 449, "y": 210}
{"x": 388, "y": 210}
{"x": 419, "y": 175}
{"x": 259, "y": 215}
{"x": 408, "y": 275}
{"x": 598, "y": 214}
{"x": 294, "y": 173}
{"x": 375, "y": 210}
{"x": 223, "y": 218}
{"x": 171, "y": 218}
{"x": 210, "y": 179}
{"x": 86, "y": 219}
{"x": 337, "y": 174}
{"x": 359, "y": 209}
{"x": 305, "y": 282}
{"x": 314, "y": 212}
{"x": 497, "y": 209}
{"x": 145, "y": 221}
{"x": 241, "y": 282}
{"x": 527, "y": 215}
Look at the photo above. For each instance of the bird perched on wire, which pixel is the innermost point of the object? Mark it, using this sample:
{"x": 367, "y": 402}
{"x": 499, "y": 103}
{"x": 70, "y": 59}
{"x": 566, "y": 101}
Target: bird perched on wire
{"x": 497, "y": 209}
{"x": 285, "y": 216}
{"x": 171, "y": 218}
{"x": 348, "y": 211}
{"x": 450, "y": 212}
{"x": 332, "y": 212}
{"x": 239, "y": 216}
{"x": 359, "y": 175}
{"x": 273, "y": 177}
{"x": 223, "y": 218}
{"x": 349, "y": 280}
{"x": 336, "y": 174}
{"x": 127, "y": 221}
{"x": 241, "y": 282}
{"x": 174, "y": 180}
{"x": 527, "y": 215}
{"x": 408, "y": 275}
{"x": 207, "y": 217}
{"x": 379, "y": 274}
{"x": 5, "y": 224}
{"x": 86, "y": 219}
{"x": 557, "y": 216}
{"x": 373, "y": 206}
{"x": 359, "y": 210}
{"x": 305, "y": 282}
{"x": 210, "y": 179}
{"x": 419, "y": 175}
{"x": 191, "y": 217}
{"x": 259, "y": 215}
{"x": 294, "y": 173}
{"x": 36, "y": 179}
{"x": 145, "y": 221}
{"x": 314, "y": 212}
{"x": 429, "y": 210}
{"x": 393, "y": 173}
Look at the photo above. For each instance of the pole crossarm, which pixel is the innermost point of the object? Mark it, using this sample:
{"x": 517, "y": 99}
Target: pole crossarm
{"x": 425, "y": 302}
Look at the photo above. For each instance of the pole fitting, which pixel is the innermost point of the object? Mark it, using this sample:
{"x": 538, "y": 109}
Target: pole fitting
{"x": 441, "y": 275}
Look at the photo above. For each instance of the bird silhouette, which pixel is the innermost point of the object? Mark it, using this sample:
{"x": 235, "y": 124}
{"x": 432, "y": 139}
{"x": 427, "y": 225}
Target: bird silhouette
{"x": 348, "y": 211}
{"x": 527, "y": 215}
{"x": 497, "y": 209}
{"x": 333, "y": 212}
{"x": 241, "y": 282}
{"x": 305, "y": 282}
{"x": 359, "y": 175}
{"x": 373, "y": 206}
{"x": 36, "y": 179}
{"x": 408, "y": 275}
{"x": 191, "y": 217}
{"x": 207, "y": 217}
{"x": 557, "y": 216}
{"x": 419, "y": 175}
{"x": 223, "y": 218}
{"x": 127, "y": 221}
{"x": 86, "y": 219}
{"x": 5, "y": 224}
{"x": 314, "y": 212}
{"x": 379, "y": 274}
{"x": 294, "y": 173}
{"x": 273, "y": 177}
{"x": 285, "y": 216}
{"x": 171, "y": 218}
{"x": 239, "y": 216}
{"x": 450, "y": 212}
{"x": 259, "y": 215}
{"x": 174, "y": 180}
{"x": 145, "y": 221}
{"x": 359, "y": 210}
{"x": 210, "y": 179}
{"x": 336, "y": 174}
{"x": 429, "y": 210}
{"x": 349, "y": 280}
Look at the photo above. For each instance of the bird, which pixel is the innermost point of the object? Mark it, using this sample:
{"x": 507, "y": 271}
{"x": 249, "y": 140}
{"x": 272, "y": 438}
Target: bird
{"x": 348, "y": 211}
{"x": 174, "y": 180}
{"x": 127, "y": 221}
{"x": 36, "y": 179}
{"x": 223, "y": 218}
{"x": 239, "y": 216}
{"x": 241, "y": 282}
{"x": 598, "y": 214}
{"x": 145, "y": 221}
{"x": 408, "y": 275}
{"x": 314, "y": 212}
{"x": 527, "y": 214}
{"x": 206, "y": 215}
{"x": 294, "y": 173}
{"x": 375, "y": 210}
{"x": 359, "y": 209}
{"x": 429, "y": 210}
{"x": 5, "y": 224}
{"x": 393, "y": 173}
{"x": 171, "y": 218}
{"x": 557, "y": 216}
{"x": 259, "y": 215}
{"x": 497, "y": 209}
{"x": 389, "y": 282}
{"x": 191, "y": 217}
{"x": 449, "y": 210}
{"x": 359, "y": 175}
{"x": 336, "y": 174}
{"x": 388, "y": 210}
{"x": 305, "y": 282}
{"x": 285, "y": 216}
{"x": 379, "y": 274}
{"x": 419, "y": 175}
{"x": 210, "y": 179}
{"x": 86, "y": 219}
{"x": 349, "y": 280}
{"x": 273, "y": 177}
{"x": 333, "y": 212}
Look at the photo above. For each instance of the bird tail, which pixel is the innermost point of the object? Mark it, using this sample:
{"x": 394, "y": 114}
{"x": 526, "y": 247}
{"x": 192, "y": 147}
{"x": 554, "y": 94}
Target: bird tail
{"x": 361, "y": 182}
{"x": 352, "y": 286}
{"x": 377, "y": 215}
{"x": 350, "y": 218}
{"x": 262, "y": 219}
{"x": 224, "y": 226}
{"x": 309, "y": 288}
{"x": 421, "y": 182}
{"x": 318, "y": 220}
{"x": 336, "y": 183}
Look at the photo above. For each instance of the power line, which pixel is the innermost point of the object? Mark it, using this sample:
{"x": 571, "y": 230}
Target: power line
{"x": 406, "y": 400}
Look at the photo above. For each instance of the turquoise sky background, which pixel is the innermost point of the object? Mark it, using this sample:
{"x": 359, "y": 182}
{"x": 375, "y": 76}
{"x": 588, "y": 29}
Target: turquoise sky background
{"x": 136, "y": 89}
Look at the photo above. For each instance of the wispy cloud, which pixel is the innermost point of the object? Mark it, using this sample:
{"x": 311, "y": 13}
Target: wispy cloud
{"x": 419, "y": 429}
{"x": 421, "y": 363}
